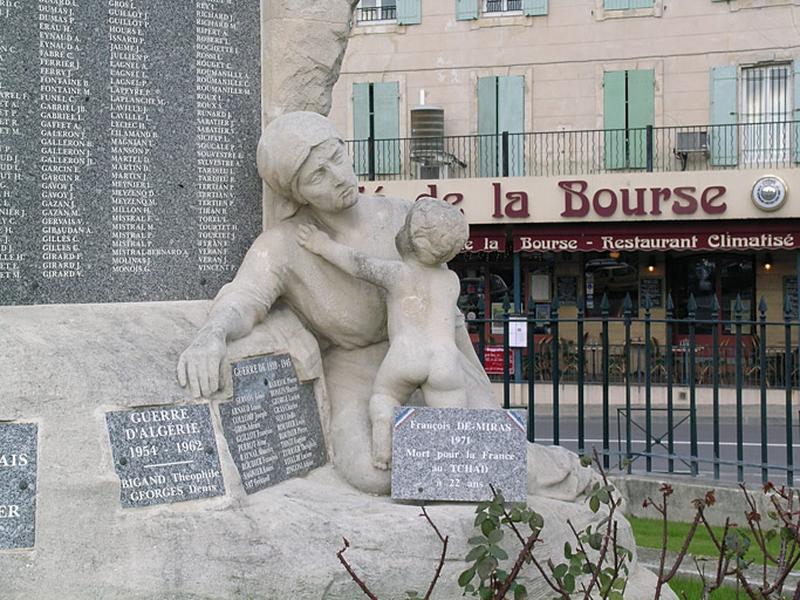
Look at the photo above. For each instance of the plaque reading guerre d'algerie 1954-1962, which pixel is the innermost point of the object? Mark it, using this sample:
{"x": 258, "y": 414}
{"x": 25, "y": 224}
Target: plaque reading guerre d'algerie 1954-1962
{"x": 272, "y": 426}
{"x": 457, "y": 454}
{"x": 128, "y": 132}
{"x": 165, "y": 454}
{"x": 18, "y": 443}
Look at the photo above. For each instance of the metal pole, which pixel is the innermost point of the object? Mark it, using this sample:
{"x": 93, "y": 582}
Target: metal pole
{"x": 581, "y": 368}
{"x": 669, "y": 358}
{"x": 762, "y": 380}
{"x": 604, "y": 310}
{"x": 556, "y": 371}
{"x": 715, "y": 317}
{"x": 738, "y": 307}
{"x": 648, "y": 395}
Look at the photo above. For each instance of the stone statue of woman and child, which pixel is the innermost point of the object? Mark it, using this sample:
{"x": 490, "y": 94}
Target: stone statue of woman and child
{"x": 354, "y": 272}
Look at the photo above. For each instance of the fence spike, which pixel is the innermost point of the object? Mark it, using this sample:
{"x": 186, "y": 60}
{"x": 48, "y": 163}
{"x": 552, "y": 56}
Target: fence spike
{"x": 738, "y": 307}
{"x": 787, "y": 307}
{"x": 714, "y": 308}
{"x": 762, "y": 306}
{"x": 627, "y": 304}
{"x": 691, "y": 306}
{"x": 580, "y": 305}
{"x": 648, "y": 305}
{"x": 670, "y": 305}
{"x": 554, "y": 306}
{"x": 506, "y": 304}
{"x": 605, "y": 306}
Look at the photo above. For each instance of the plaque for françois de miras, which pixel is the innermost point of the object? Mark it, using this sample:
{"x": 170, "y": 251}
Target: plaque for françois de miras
{"x": 272, "y": 426}
{"x": 18, "y": 442}
{"x": 458, "y": 453}
{"x": 128, "y": 131}
{"x": 165, "y": 454}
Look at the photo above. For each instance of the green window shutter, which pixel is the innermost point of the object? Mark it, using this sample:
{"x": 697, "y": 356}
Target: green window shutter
{"x": 361, "y": 128}
{"x": 535, "y": 8}
{"x": 796, "y": 115}
{"x": 614, "y": 119}
{"x": 487, "y": 127}
{"x": 466, "y": 10}
{"x": 616, "y": 4}
{"x": 409, "y": 12}
{"x": 723, "y": 135}
{"x": 641, "y": 113}
{"x": 641, "y": 3}
{"x": 511, "y": 118}
{"x": 386, "y": 126}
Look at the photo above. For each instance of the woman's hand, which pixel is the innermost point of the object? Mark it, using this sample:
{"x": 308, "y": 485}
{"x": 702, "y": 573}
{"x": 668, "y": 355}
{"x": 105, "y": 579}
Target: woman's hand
{"x": 199, "y": 365}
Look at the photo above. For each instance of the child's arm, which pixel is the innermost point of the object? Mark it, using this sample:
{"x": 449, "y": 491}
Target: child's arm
{"x": 375, "y": 270}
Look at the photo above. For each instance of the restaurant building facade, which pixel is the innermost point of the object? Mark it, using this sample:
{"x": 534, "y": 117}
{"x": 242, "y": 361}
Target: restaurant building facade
{"x": 617, "y": 148}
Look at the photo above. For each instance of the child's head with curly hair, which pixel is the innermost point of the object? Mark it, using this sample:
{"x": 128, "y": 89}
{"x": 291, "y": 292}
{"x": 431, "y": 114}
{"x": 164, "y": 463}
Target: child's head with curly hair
{"x": 433, "y": 233}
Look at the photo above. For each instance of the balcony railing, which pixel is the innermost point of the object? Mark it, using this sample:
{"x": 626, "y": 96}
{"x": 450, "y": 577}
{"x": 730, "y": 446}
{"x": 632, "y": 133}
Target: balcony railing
{"x": 581, "y": 152}
{"x": 495, "y": 6}
{"x": 376, "y": 13}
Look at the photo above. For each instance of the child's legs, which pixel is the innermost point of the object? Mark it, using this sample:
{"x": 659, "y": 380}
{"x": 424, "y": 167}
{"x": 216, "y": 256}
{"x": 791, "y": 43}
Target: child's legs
{"x": 393, "y": 386}
{"x": 445, "y": 387}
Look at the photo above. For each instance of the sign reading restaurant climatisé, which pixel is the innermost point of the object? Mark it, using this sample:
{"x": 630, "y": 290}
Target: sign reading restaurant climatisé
{"x": 671, "y": 196}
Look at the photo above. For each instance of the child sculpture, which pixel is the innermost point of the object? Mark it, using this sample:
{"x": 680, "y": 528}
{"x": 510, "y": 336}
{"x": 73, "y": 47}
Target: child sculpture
{"x": 421, "y": 296}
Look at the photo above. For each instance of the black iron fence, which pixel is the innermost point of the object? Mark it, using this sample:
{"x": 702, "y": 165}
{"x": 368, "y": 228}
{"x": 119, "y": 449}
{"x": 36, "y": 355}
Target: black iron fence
{"x": 556, "y": 153}
{"x": 745, "y": 385}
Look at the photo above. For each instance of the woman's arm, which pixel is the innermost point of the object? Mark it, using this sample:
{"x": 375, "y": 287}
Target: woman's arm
{"x": 238, "y": 307}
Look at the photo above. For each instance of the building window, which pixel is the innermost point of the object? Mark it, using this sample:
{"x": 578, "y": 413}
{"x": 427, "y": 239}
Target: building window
{"x": 765, "y": 113}
{"x": 751, "y": 115}
{"x": 627, "y": 4}
{"x": 376, "y": 117}
{"x": 502, "y": 6}
{"x": 370, "y": 11}
{"x": 628, "y": 108}
{"x": 501, "y": 108}
{"x": 615, "y": 275}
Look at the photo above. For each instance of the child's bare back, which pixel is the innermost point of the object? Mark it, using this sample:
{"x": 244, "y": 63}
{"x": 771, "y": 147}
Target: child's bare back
{"x": 421, "y": 310}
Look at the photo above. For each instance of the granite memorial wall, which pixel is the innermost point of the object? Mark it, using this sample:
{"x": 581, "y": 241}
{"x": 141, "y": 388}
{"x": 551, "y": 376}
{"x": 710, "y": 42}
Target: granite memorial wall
{"x": 128, "y": 131}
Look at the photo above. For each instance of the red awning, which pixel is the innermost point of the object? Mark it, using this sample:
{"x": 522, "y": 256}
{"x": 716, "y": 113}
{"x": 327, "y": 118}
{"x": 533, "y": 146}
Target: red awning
{"x": 659, "y": 237}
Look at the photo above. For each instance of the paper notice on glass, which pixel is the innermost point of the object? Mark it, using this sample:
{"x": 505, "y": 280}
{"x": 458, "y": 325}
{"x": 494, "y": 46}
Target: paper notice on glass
{"x": 517, "y": 333}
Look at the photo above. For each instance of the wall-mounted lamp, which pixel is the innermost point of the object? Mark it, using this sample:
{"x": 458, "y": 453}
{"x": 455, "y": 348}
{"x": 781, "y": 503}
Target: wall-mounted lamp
{"x": 768, "y": 262}
{"x": 651, "y": 264}
{"x": 614, "y": 254}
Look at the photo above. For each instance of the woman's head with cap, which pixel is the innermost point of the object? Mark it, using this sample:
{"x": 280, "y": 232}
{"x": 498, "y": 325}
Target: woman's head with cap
{"x": 284, "y": 147}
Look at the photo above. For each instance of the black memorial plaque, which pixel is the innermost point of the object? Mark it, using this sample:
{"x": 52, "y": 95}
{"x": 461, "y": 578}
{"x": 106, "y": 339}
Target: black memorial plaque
{"x": 128, "y": 131}
{"x": 165, "y": 454}
{"x": 272, "y": 426}
{"x": 17, "y": 485}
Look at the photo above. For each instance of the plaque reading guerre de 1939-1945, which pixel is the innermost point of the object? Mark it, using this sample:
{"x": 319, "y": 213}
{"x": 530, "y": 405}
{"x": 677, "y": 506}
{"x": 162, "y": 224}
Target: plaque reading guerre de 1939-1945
{"x": 165, "y": 454}
{"x": 128, "y": 131}
{"x": 457, "y": 454}
{"x": 18, "y": 443}
{"x": 272, "y": 426}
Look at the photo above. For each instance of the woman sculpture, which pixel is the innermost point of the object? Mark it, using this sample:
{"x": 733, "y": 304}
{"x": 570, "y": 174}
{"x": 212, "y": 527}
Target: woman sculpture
{"x": 303, "y": 160}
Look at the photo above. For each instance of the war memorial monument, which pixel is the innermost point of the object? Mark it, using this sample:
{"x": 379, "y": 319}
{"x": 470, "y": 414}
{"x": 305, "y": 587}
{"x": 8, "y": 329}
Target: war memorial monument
{"x": 185, "y": 388}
